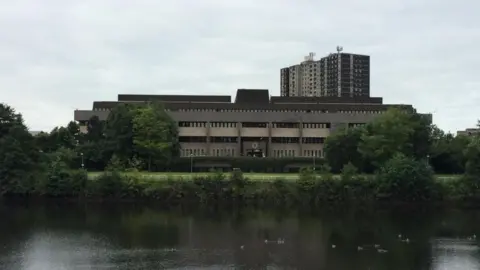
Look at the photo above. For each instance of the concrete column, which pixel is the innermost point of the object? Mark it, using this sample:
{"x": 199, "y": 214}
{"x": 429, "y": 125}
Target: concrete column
{"x": 269, "y": 142}
{"x": 239, "y": 140}
{"x": 209, "y": 153}
{"x": 300, "y": 136}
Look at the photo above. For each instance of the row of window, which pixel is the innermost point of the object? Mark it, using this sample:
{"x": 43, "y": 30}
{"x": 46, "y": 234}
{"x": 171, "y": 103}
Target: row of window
{"x": 223, "y": 152}
{"x": 364, "y": 112}
{"x": 285, "y": 140}
{"x": 302, "y": 111}
{"x": 252, "y": 125}
{"x": 220, "y": 152}
{"x": 217, "y": 152}
{"x": 312, "y": 153}
{"x": 291, "y": 153}
{"x": 192, "y": 152}
{"x": 283, "y": 153}
{"x": 298, "y": 111}
{"x": 295, "y": 140}
{"x": 230, "y": 152}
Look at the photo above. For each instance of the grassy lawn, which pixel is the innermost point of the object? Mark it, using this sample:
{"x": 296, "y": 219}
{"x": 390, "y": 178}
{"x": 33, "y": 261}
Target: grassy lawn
{"x": 251, "y": 176}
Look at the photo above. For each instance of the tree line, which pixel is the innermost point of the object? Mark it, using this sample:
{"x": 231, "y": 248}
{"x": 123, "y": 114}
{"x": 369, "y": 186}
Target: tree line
{"x": 408, "y": 133}
{"x": 143, "y": 136}
{"x": 398, "y": 144}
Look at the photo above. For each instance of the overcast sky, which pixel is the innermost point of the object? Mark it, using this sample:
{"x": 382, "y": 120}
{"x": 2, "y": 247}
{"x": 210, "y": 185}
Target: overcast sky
{"x": 59, "y": 55}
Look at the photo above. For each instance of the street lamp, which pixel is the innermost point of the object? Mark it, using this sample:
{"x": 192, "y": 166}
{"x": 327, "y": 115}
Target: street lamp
{"x": 83, "y": 165}
{"x": 191, "y": 163}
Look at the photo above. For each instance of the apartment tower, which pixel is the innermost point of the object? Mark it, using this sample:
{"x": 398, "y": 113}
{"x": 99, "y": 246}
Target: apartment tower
{"x": 338, "y": 74}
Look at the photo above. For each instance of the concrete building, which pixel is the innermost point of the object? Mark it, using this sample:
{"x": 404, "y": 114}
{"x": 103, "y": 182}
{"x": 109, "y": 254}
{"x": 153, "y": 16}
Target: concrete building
{"x": 338, "y": 74}
{"x": 254, "y": 124}
{"x": 469, "y": 132}
{"x": 34, "y": 132}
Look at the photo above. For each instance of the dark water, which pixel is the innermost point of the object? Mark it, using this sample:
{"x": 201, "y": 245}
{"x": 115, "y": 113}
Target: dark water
{"x": 50, "y": 237}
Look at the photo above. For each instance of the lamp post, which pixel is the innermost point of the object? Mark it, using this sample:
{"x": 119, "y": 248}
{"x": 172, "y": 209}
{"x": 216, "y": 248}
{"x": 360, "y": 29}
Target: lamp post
{"x": 314, "y": 155}
{"x": 83, "y": 165}
{"x": 191, "y": 163}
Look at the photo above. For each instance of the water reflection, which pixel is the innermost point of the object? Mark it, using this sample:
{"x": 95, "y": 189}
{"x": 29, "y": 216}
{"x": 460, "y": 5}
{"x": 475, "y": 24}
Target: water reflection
{"x": 453, "y": 254}
{"x": 51, "y": 236}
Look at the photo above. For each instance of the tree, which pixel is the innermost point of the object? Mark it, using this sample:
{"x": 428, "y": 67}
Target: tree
{"x": 447, "y": 152}
{"x": 342, "y": 148}
{"x": 95, "y": 129}
{"x": 67, "y": 137}
{"x": 403, "y": 178}
{"x": 396, "y": 131}
{"x": 95, "y": 152}
{"x": 119, "y": 132}
{"x": 18, "y": 154}
{"x": 155, "y": 137}
{"x": 472, "y": 154}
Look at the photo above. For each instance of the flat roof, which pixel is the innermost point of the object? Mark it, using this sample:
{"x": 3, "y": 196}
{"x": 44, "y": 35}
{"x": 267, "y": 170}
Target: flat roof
{"x": 243, "y": 96}
{"x": 251, "y": 99}
{"x": 352, "y": 100}
{"x": 174, "y": 98}
{"x": 105, "y": 105}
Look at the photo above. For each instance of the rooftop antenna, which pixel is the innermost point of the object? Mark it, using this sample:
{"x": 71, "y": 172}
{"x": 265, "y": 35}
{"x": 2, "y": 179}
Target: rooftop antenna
{"x": 310, "y": 56}
{"x": 339, "y": 49}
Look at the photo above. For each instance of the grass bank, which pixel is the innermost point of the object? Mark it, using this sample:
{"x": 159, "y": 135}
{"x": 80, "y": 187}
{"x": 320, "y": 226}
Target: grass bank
{"x": 164, "y": 176}
{"x": 307, "y": 188}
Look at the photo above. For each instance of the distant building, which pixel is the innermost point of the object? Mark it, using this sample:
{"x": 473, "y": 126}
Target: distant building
{"x": 255, "y": 124}
{"x": 35, "y": 133}
{"x": 469, "y": 132}
{"x": 336, "y": 75}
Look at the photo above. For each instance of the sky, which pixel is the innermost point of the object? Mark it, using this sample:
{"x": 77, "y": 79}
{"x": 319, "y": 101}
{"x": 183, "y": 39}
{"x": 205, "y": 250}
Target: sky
{"x": 60, "y": 55}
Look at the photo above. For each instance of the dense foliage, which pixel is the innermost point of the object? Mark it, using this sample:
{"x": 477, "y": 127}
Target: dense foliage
{"x": 396, "y": 131}
{"x": 142, "y": 134}
{"x": 400, "y": 151}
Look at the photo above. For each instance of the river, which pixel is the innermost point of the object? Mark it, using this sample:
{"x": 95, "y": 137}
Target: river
{"x": 58, "y": 235}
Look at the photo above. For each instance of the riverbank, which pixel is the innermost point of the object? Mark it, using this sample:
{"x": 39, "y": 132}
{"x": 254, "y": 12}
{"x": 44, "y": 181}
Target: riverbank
{"x": 163, "y": 176}
{"x": 307, "y": 188}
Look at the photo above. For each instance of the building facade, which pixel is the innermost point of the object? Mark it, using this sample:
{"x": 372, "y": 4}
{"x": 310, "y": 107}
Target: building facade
{"x": 336, "y": 75}
{"x": 469, "y": 132}
{"x": 255, "y": 124}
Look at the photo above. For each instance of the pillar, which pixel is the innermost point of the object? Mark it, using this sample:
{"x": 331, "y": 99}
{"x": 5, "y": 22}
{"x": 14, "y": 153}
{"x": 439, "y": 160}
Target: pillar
{"x": 269, "y": 142}
{"x": 300, "y": 136}
{"x": 239, "y": 140}
{"x": 209, "y": 153}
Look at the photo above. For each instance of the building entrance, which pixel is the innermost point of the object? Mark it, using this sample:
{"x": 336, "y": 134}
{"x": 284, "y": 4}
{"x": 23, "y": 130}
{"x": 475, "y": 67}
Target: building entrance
{"x": 255, "y": 153}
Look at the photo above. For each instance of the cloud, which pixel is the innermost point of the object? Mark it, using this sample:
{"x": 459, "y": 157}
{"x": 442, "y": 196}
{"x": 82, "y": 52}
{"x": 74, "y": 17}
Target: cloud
{"x": 60, "y": 55}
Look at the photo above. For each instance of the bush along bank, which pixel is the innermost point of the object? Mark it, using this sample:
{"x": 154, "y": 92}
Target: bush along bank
{"x": 401, "y": 180}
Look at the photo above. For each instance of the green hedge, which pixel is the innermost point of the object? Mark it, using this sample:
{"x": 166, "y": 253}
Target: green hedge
{"x": 246, "y": 164}
{"x": 311, "y": 189}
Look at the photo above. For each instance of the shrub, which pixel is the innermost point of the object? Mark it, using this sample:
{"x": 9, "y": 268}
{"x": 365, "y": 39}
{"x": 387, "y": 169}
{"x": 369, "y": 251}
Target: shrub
{"x": 108, "y": 185}
{"x": 60, "y": 180}
{"x": 405, "y": 179}
{"x": 349, "y": 171}
{"x": 245, "y": 164}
